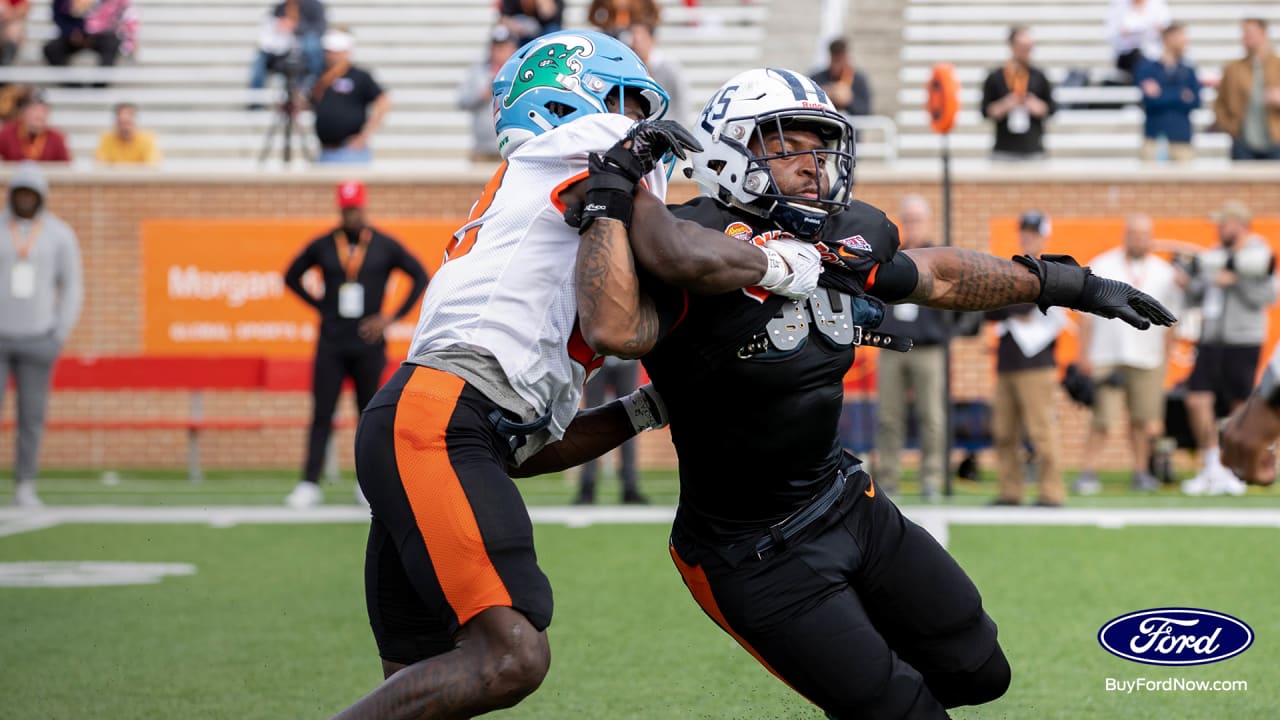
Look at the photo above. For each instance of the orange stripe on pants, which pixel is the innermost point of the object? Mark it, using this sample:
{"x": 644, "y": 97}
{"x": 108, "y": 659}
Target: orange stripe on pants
{"x": 440, "y": 506}
{"x": 696, "y": 580}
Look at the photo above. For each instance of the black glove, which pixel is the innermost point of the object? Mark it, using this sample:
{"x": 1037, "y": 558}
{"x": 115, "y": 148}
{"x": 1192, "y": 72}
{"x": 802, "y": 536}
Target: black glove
{"x": 1064, "y": 283}
{"x": 614, "y": 175}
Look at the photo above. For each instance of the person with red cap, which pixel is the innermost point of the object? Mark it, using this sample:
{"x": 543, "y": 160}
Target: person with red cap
{"x": 355, "y": 260}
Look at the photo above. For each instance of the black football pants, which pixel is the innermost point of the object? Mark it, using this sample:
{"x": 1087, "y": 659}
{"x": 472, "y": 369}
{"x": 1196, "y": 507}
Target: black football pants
{"x": 866, "y": 615}
{"x": 334, "y": 363}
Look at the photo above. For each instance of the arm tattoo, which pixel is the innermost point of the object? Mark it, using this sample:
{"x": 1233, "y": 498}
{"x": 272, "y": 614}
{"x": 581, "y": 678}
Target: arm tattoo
{"x": 646, "y": 329}
{"x": 592, "y": 272}
{"x": 958, "y": 279}
{"x": 608, "y": 289}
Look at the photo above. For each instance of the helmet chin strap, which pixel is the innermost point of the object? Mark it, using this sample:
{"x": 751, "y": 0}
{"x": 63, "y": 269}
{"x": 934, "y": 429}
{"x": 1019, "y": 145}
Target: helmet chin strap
{"x": 803, "y": 223}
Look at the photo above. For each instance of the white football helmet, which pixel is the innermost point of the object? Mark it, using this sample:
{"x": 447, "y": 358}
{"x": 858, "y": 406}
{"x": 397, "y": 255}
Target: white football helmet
{"x": 745, "y": 109}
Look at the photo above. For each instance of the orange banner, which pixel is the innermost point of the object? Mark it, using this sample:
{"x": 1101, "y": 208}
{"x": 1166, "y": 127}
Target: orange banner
{"x": 216, "y": 287}
{"x": 1086, "y": 238}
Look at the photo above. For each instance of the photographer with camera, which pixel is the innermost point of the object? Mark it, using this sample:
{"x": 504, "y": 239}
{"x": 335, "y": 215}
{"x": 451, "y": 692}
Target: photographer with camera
{"x": 1234, "y": 287}
{"x": 289, "y": 44}
{"x": 1127, "y": 366}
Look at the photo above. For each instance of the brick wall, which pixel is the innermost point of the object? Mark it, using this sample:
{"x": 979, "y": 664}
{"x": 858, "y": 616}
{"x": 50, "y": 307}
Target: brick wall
{"x": 106, "y": 211}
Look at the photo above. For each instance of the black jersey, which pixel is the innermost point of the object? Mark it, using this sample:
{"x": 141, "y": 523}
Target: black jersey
{"x": 753, "y": 382}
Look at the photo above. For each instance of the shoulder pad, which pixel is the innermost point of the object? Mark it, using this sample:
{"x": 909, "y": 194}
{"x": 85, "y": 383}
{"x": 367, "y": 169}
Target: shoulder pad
{"x": 705, "y": 211}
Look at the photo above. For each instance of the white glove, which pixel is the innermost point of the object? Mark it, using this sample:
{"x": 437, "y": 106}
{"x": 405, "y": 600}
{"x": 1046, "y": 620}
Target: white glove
{"x": 645, "y": 408}
{"x": 798, "y": 276}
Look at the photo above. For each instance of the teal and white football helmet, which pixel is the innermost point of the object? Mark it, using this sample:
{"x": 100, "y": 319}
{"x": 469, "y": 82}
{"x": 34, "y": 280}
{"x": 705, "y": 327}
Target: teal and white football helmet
{"x": 561, "y": 76}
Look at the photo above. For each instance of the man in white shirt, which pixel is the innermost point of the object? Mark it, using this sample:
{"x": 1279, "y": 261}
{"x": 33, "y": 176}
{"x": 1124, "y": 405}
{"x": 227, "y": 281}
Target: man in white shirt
{"x": 1129, "y": 367}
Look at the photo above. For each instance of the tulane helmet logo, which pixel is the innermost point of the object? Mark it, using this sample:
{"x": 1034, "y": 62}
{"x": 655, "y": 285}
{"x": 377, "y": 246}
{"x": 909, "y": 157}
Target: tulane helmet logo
{"x": 554, "y": 65}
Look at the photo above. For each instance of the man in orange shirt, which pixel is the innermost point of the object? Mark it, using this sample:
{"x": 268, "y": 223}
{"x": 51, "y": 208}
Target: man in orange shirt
{"x": 125, "y": 143}
{"x": 29, "y": 137}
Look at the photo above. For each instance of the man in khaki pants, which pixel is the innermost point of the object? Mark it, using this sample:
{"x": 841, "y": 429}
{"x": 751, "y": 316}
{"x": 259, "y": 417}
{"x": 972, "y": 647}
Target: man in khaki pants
{"x": 1026, "y": 386}
{"x": 921, "y": 371}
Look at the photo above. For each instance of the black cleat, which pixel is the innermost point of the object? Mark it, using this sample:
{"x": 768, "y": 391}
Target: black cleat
{"x": 633, "y": 497}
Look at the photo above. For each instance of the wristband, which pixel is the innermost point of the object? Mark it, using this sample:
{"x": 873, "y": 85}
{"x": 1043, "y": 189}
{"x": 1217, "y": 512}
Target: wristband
{"x": 645, "y": 409}
{"x": 777, "y": 270}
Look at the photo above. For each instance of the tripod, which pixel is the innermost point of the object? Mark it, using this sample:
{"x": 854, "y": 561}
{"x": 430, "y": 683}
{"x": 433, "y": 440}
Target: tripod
{"x": 285, "y": 122}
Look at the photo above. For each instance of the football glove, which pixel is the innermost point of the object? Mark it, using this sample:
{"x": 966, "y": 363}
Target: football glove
{"x": 614, "y": 175}
{"x": 1064, "y": 283}
{"x": 794, "y": 267}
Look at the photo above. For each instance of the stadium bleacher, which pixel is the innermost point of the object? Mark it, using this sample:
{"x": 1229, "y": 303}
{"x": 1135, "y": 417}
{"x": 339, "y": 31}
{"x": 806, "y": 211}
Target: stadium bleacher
{"x": 972, "y": 36}
{"x": 191, "y": 73}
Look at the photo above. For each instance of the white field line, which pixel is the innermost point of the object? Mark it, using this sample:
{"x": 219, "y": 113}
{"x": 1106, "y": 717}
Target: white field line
{"x": 18, "y": 520}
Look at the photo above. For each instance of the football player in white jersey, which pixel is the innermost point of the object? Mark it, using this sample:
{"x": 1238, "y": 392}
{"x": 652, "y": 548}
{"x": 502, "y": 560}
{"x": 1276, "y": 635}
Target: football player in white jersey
{"x": 456, "y": 601}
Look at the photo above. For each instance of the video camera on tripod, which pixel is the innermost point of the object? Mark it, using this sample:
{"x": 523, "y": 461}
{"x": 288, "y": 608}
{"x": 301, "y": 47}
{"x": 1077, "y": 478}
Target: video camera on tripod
{"x": 292, "y": 66}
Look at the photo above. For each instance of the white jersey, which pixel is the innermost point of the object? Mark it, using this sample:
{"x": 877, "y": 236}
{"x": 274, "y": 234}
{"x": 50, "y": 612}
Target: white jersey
{"x": 506, "y": 288}
{"x": 1114, "y": 341}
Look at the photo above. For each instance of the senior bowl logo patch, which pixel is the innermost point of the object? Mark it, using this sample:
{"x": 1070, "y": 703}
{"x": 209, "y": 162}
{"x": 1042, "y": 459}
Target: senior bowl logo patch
{"x": 739, "y": 230}
{"x": 855, "y": 243}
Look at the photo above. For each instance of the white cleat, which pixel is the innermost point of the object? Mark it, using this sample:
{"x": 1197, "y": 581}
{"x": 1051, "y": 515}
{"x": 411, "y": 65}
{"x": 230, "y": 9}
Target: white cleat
{"x": 305, "y": 495}
{"x": 1198, "y": 485}
{"x": 24, "y": 495}
{"x": 1225, "y": 482}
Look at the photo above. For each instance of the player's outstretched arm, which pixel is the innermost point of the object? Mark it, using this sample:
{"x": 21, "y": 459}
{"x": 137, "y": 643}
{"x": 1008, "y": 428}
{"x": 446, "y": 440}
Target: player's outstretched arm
{"x": 595, "y": 431}
{"x": 687, "y": 255}
{"x": 958, "y": 279}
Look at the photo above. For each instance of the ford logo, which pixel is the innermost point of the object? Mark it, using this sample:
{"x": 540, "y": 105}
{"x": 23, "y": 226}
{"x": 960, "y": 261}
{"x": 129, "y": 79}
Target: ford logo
{"x": 1175, "y": 636}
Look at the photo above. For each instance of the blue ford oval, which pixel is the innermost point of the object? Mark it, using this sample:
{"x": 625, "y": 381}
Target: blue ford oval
{"x": 1175, "y": 636}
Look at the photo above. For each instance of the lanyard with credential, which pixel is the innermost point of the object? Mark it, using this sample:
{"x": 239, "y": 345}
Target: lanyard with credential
{"x": 354, "y": 259}
{"x": 22, "y": 242}
{"x": 33, "y": 149}
{"x": 1016, "y": 78}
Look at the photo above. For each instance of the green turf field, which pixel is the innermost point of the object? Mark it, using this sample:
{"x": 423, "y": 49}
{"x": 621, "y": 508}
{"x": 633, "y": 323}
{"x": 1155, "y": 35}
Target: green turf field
{"x": 268, "y": 487}
{"x": 272, "y": 623}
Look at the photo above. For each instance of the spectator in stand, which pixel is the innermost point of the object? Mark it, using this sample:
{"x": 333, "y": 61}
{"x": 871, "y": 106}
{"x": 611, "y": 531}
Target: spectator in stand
{"x": 475, "y": 94}
{"x": 1018, "y": 97}
{"x": 1114, "y": 350}
{"x": 1248, "y": 103}
{"x": 1026, "y": 378}
{"x": 293, "y": 25}
{"x": 614, "y": 16}
{"x": 1170, "y": 91}
{"x": 29, "y": 137}
{"x": 41, "y": 290}
{"x": 528, "y": 19}
{"x": 665, "y": 69}
{"x": 13, "y": 97}
{"x": 844, "y": 83}
{"x": 125, "y": 144}
{"x": 107, "y": 27}
{"x": 349, "y": 104}
{"x": 13, "y": 28}
{"x": 922, "y": 372}
{"x": 1133, "y": 29}
{"x": 1234, "y": 286}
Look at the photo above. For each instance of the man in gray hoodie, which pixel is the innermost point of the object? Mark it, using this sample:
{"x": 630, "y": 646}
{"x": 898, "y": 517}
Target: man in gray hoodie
{"x": 41, "y": 290}
{"x": 1234, "y": 287}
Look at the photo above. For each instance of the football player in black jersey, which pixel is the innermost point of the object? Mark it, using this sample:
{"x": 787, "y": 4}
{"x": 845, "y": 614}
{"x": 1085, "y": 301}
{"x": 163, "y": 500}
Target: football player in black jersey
{"x": 782, "y": 537}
